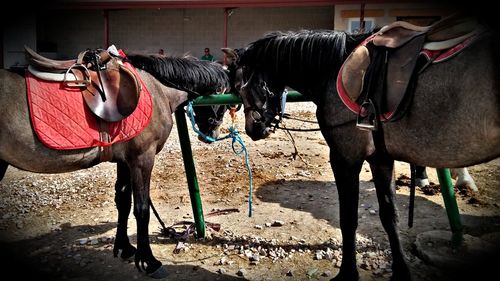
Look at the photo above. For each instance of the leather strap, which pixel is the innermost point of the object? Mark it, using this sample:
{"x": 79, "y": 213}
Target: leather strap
{"x": 105, "y": 152}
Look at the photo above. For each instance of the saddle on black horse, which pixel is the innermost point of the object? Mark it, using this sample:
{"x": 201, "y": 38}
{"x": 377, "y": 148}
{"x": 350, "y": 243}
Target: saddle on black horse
{"x": 377, "y": 78}
{"x": 110, "y": 90}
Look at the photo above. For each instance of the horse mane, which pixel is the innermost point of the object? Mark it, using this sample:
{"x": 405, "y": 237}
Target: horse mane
{"x": 295, "y": 54}
{"x": 183, "y": 73}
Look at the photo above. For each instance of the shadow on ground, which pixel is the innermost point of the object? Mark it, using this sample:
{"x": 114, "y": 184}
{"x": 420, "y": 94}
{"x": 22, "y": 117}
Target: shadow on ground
{"x": 41, "y": 258}
{"x": 320, "y": 199}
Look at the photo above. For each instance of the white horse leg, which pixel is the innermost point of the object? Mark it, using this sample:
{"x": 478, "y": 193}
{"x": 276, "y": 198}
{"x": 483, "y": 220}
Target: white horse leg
{"x": 464, "y": 178}
{"x": 421, "y": 179}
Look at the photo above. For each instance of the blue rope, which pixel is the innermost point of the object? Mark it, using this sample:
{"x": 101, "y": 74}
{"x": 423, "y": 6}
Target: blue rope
{"x": 236, "y": 138}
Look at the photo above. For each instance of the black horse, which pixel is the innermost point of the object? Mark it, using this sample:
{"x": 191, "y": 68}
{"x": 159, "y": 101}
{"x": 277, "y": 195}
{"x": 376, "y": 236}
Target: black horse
{"x": 461, "y": 92}
{"x": 20, "y": 147}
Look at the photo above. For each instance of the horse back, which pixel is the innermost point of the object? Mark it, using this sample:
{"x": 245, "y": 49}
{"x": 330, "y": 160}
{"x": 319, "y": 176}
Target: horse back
{"x": 456, "y": 107}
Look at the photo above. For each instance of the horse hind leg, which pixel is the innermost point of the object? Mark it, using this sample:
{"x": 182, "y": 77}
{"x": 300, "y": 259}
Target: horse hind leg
{"x": 464, "y": 179}
{"x": 382, "y": 170}
{"x": 421, "y": 179}
{"x": 3, "y": 168}
{"x": 123, "y": 201}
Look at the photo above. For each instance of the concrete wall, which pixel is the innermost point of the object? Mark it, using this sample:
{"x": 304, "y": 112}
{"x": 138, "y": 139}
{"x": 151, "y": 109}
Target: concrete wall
{"x": 177, "y": 31}
{"x": 71, "y": 31}
{"x": 189, "y": 31}
{"x": 15, "y": 36}
{"x": 249, "y": 24}
{"x": 182, "y": 31}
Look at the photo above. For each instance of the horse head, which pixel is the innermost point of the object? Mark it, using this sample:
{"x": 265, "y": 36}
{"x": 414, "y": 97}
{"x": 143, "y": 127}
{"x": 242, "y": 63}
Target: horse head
{"x": 260, "y": 91}
{"x": 209, "y": 118}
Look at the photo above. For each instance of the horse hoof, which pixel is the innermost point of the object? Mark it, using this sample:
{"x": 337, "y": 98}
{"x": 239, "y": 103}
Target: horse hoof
{"x": 128, "y": 259}
{"x": 128, "y": 255}
{"x": 421, "y": 182}
{"x": 160, "y": 273}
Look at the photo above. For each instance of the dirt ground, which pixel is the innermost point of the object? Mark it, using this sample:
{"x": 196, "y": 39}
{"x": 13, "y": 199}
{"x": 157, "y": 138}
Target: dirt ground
{"x": 62, "y": 226}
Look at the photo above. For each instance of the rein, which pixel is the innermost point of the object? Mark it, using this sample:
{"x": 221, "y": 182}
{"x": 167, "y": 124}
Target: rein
{"x": 287, "y": 116}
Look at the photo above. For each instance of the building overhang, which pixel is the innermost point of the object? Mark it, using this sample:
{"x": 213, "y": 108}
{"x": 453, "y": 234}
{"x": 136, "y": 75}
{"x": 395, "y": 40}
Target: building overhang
{"x": 172, "y": 4}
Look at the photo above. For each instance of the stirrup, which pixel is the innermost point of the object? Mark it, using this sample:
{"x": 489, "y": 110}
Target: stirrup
{"x": 368, "y": 122}
{"x": 77, "y": 82}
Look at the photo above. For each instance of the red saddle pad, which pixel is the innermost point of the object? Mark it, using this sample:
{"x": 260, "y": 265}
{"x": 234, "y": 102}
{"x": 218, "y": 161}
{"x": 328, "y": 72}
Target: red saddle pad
{"x": 62, "y": 120}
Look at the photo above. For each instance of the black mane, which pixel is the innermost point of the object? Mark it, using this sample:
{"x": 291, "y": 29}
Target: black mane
{"x": 183, "y": 73}
{"x": 316, "y": 54}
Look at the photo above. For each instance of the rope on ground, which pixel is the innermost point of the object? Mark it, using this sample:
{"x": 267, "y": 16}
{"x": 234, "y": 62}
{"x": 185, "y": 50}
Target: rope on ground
{"x": 190, "y": 228}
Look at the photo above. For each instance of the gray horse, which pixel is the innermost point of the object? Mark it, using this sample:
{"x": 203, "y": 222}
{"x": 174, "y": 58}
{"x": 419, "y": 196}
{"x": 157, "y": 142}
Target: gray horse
{"x": 20, "y": 147}
{"x": 448, "y": 96}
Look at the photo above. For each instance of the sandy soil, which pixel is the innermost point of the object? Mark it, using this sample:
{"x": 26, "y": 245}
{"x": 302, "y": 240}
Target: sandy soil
{"x": 62, "y": 226}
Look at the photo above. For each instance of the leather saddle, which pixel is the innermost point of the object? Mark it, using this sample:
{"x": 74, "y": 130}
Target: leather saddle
{"x": 377, "y": 76}
{"x": 110, "y": 89}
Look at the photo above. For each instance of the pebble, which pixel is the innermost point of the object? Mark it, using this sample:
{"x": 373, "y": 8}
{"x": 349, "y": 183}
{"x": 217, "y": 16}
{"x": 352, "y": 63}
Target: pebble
{"x": 221, "y": 271}
{"x": 311, "y": 271}
{"x": 278, "y": 223}
{"x": 326, "y": 273}
{"x": 241, "y": 272}
{"x": 82, "y": 241}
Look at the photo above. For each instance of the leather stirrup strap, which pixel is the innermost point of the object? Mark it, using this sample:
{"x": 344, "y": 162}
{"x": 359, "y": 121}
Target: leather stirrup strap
{"x": 105, "y": 152}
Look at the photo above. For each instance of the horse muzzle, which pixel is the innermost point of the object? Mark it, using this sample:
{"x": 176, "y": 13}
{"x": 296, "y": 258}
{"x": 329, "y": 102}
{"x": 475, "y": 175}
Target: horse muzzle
{"x": 255, "y": 128}
{"x": 213, "y": 135}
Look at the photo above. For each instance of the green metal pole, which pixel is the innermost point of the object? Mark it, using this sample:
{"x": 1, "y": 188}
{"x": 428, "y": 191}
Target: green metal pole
{"x": 293, "y": 96}
{"x": 187, "y": 156}
{"x": 450, "y": 202}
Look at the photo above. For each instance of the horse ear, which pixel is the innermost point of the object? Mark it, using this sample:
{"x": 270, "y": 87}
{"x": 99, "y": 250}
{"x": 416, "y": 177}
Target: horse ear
{"x": 231, "y": 55}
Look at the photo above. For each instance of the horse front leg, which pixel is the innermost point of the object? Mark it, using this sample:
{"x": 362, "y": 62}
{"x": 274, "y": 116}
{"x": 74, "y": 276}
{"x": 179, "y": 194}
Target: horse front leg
{"x": 347, "y": 181}
{"x": 123, "y": 201}
{"x": 141, "y": 176}
{"x": 382, "y": 169}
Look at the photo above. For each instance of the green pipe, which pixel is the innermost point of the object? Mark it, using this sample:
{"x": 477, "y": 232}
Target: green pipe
{"x": 450, "y": 203}
{"x": 187, "y": 156}
{"x": 293, "y": 96}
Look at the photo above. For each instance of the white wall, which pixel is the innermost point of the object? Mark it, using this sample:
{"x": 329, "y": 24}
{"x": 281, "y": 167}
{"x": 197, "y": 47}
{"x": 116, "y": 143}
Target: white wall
{"x": 417, "y": 8}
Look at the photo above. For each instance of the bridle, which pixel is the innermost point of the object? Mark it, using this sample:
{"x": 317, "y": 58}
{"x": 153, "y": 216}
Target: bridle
{"x": 270, "y": 109}
{"x": 280, "y": 110}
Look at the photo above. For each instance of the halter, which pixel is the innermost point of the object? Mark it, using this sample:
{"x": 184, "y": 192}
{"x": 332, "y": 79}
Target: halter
{"x": 267, "y": 109}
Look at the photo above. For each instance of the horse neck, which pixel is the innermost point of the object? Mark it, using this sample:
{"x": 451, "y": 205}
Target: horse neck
{"x": 175, "y": 98}
{"x": 162, "y": 95}
{"x": 190, "y": 75}
{"x": 311, "y": 73}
